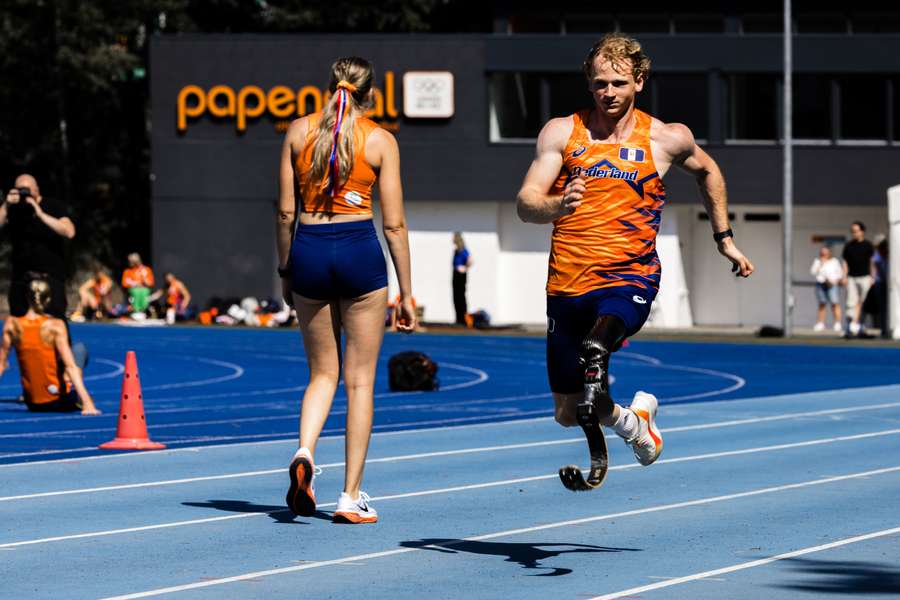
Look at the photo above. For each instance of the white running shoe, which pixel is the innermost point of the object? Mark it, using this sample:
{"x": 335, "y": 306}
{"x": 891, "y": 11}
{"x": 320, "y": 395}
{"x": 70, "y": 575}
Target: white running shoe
{"x": 820, "y": 326}
{"x": 647, "y": 443}
{"x": 354, "y": 511}
{"x": 838, "y": 328}
{"x": 854, "y": 328}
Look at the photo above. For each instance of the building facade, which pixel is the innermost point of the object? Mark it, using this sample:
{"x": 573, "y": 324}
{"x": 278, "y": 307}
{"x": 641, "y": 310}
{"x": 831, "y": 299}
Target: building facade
{"x": 221, "y": 103}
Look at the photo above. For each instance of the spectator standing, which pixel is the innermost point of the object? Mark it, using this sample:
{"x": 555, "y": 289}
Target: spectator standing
{"x": 879, "y": 292}
{"x": 38, "y": 229}
{"x": 137, "y": 280}
{"x": 829, "y": 273}
{"x": 462, "y": 261}
{"x": 857, "y": 256}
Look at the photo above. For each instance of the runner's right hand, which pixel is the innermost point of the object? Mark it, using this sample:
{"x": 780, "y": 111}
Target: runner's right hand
{"x": 572, "y": 196}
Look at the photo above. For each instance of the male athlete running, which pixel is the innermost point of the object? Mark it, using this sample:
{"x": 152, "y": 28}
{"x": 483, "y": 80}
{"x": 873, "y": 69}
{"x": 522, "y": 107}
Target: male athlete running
{"x": 597, "y": 175}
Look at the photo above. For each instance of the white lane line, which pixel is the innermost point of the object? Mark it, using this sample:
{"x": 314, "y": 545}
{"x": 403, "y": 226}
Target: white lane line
{"x": 511, "y": 532}
{"x": 445, "y": 490}
{"x": 442, "y": 453}
{"x": 268, "y": 442}
{"x": 747, "y": 565}
{"x": 238, "y": 372}
{"x": 293, "y": 438}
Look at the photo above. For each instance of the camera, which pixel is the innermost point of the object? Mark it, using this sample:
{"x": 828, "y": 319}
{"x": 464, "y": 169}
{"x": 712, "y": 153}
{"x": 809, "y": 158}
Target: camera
{"x": 24, "y": 192}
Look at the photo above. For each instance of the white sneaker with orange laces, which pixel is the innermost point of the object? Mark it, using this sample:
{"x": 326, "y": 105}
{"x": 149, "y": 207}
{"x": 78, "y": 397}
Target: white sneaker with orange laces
{"x": 354, "y": 511}
{"x": 647, "y": 442}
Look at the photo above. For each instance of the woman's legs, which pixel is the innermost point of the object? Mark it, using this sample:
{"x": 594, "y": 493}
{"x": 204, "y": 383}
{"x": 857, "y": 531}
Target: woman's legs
{"x": 321, "y": 328}
{"x": 820, "y": 315}
{"x": 363, "y": 322}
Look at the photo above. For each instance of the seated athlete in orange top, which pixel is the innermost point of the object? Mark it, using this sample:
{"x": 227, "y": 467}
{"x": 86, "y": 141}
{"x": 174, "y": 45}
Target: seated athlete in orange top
{"x": 48, "y": 366}
{"x": 597, "y": 176}
{"x": 94, "y": 295}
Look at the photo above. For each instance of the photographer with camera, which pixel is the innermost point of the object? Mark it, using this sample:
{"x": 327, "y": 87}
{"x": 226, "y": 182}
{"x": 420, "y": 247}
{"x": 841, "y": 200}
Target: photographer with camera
{"x": 37, "y": 228}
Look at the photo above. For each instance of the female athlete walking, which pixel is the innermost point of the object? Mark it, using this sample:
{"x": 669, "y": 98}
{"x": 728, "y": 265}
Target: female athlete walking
{"x": 333, "y": 270}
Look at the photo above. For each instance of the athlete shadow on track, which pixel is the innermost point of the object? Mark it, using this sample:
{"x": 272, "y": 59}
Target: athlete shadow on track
{"x": 279, "y": 514}
{"x": 527, "y": 555}
{"x": 844, "y": 577}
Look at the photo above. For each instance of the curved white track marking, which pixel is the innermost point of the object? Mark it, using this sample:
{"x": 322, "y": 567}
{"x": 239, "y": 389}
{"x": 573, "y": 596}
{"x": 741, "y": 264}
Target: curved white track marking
{"x": 498, "y": 534}
{"x": 739, "y": 381}
{"x": 237, "y": 371}
{"x": 457, "y": 452}
{"x": 482, "y": 376}
{"x": 291, "y": 437}
{"x": 119, "y": 369}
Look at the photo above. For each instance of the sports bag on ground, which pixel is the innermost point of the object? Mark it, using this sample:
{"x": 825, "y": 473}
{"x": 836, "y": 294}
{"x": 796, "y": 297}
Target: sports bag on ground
{"x": 412, "y": 371}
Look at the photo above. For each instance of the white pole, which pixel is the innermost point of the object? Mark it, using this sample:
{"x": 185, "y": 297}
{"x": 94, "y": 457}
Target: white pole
{"x": 788, "y": 296}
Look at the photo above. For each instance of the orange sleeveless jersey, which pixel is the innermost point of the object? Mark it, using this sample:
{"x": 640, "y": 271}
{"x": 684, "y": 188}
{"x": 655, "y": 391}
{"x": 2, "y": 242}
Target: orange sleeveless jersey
{"x": 610, "y": 240}
{"x": 355, "y": 195}
{"x": 40, "y": 371}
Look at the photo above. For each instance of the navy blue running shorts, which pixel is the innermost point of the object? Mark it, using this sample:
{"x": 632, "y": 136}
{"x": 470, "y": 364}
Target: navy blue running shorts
{"x": 571, "y": 318}
{"x": 337, "y": 260}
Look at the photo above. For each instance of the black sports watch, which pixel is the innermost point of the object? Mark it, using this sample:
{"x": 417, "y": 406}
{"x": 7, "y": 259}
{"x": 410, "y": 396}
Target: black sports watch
{"x": 285, "y": 272}
{"x": 728, "y": 233}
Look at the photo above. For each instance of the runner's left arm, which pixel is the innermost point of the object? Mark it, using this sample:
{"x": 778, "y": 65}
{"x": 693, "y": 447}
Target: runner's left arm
{"x": 61, "y": 343}
{"x": 678, "y": 141}
{"x": 5, "y": 346}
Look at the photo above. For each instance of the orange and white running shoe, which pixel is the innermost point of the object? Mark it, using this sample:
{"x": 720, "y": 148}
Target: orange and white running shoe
{"x": 301, "y": 496}
{"x": 647, "y": 443}
{"x": 354, "y": 511}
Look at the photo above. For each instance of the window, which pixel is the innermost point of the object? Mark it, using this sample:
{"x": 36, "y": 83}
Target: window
{"x": 698, "y": 24}
{"x": 820, "y": 23}
{"x": 644, "y": 23}
{"x": 515, "y": 105}
{"x": 589, "y": 24}
{"x": 752, "y": 107}
{"x": 768, "y": 23}
{"x": 568, "y": 93}
{"x": 876, "y": 23}
{"x": 895, "y": 97}
{"x": 534, "y": 23}
{"x": 812, "y": 107}
{"x": 863, "y": 102}
{"x": 681, "y": 98}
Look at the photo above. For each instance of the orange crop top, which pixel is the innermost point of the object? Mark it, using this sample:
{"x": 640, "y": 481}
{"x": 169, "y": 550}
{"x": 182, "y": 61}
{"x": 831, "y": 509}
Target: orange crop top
{"x": 40, "y": 371}
{"x": 354, "y": 197}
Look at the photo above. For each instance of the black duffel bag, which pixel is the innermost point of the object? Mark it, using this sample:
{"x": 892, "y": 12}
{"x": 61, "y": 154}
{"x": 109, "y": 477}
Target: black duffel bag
{"x": 412, "y": 371}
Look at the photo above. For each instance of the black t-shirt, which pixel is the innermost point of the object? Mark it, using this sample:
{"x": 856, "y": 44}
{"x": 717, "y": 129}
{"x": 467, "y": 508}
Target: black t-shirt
{"x": 35, "y": 247}
{"x": 858, "y": 256}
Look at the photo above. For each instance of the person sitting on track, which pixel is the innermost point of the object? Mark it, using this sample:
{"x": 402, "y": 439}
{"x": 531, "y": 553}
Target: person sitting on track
{"x": 50, "y": 370}
{"x": 94, "y": 296}
{"x": 137, "y": 280}
{"x": 597, "y": 176}
{"x": 178, "y": 299}
{"x": 333, "y": 270}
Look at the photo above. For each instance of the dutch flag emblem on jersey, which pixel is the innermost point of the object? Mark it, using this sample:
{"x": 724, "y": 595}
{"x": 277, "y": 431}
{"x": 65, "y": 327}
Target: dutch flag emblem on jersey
{"x": 631, "y": 154}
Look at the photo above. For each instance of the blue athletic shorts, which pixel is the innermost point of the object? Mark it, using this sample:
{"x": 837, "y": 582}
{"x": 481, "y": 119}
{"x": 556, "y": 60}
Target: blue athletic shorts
{"x": 337, "y": 260}
{"x": 571, "y": 318}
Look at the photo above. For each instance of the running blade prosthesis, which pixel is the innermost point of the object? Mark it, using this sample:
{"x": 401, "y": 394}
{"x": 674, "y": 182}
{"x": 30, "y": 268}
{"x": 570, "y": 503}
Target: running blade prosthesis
{"x": 571, "y": 475}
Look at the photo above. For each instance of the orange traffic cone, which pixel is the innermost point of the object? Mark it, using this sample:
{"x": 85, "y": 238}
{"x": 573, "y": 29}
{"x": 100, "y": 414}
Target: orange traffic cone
{"x": 131, "y": 433}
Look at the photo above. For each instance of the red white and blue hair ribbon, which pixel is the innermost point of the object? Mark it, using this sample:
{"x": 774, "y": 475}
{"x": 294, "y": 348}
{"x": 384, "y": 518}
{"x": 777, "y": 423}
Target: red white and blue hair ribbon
{"x": 344, "y": 89}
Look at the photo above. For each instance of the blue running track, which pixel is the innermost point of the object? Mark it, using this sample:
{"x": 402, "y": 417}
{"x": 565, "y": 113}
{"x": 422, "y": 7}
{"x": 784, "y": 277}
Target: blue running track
{"x": 779, "y": 480}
